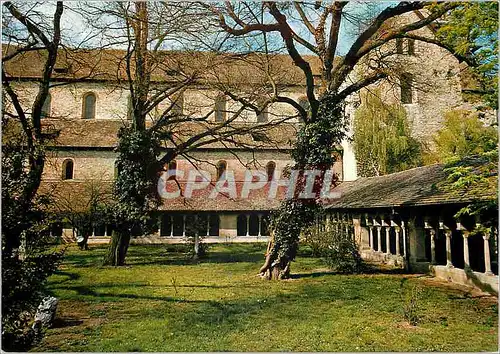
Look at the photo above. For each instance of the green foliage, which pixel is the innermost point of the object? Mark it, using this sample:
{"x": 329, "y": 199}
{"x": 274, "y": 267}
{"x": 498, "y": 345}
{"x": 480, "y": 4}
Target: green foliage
{"x": 382, "y": 138}
{"x": 135, "y": 185}
{"x": 164, "y": 302}
{"x": 23, "y": 287}
{"x": 463, "y": 134}
{"x": 411, "y": 297}
{"x": 27, "y": 260}
{"x": 338, "y": 250}
{"x": 314, "y": 149}
{"x": 469, "y": 150}
{"x": 472, "y": 31}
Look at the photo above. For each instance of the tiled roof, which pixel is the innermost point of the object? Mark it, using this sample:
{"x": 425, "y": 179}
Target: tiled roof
{"x": 415, "y": 187}
{"x": 110, "y": 64}
{"x": 74, "y": 195}
{"x": 103, "y": 134}
{"x": 201, "y": 200}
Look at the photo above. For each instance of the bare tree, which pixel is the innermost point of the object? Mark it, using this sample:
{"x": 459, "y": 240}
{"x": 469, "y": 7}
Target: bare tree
{"x": 156, "y": 79}
{"x": 82, "y": 205}
{"x": 315, "y": 27}
{"x": 28, "y": 34}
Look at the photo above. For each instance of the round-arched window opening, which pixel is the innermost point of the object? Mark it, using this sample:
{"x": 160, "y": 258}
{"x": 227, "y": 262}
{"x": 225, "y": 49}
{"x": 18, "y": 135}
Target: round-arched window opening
{"x": 68, "y": 169}
{"x": 270, "y": 168}
{"x": 221, "y": 169}
{"x": 89, "y": 101}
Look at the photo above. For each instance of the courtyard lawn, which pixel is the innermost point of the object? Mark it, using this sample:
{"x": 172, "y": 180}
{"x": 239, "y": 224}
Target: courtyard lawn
{"x": 163, "y": 302}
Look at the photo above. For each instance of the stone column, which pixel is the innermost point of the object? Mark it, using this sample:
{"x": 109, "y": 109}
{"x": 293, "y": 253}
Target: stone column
{"x": 196, "y": 237}
{"x": 183, "y": 225}
{"x": 371, "y": 238}
{"x": 403, "y": 229}
{"x": 487, "y": 256}
{"x": 379, "y": 239}
{"x": 465, "y": 235}
{"x": 208, "y": 225}
{"x": 387, "y": 240}
{"x": 433, "y": 245}
{"x": 260, "y": 225}
{"x": 398, "y": 249}
{"x": 248, "y": 225}
{"x": 171, "y": 226}
{"x": 160, "y": 219}
{"x": 449, "y": 264}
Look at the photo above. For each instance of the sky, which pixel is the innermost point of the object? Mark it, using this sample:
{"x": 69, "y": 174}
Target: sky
{"x": 75, "y": 28}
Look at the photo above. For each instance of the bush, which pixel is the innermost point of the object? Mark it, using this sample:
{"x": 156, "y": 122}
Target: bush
{"x": 338, "y": 250}
{"x": 23, "y": 283}
{"x": 410, "y": 297}
{"x": 191, "y": 249}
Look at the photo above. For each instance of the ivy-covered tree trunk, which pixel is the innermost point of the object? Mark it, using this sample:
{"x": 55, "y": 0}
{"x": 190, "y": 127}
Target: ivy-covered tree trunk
{"x": 135, "y": 190}
{"x": 314, "y": 150}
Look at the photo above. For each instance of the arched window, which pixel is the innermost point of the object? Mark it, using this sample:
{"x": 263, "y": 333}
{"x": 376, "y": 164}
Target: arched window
{"x": 221, "y": 169}
{"x": 270, "y": 167}
{"x": 172, "y": 165}
{"x": 89, "y": 100}
{"x": 220, "y": 109}
{"x": 411, "y": 46}
{"x": 46, "y": 107}
{"x": 67, "y": 169}
{"x": 399, "y": 45}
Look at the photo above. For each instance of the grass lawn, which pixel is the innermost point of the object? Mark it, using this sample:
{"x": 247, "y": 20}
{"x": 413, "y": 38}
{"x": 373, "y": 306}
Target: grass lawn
{"x": 164, "y": 302}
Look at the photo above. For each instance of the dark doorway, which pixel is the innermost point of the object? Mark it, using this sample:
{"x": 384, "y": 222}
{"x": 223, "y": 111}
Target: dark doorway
{"x": 242, "y": 225}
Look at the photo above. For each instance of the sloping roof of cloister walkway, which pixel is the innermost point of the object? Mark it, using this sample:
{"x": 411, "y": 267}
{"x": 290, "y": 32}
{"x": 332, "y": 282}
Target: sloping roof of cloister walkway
{"x": 427, "y": 185}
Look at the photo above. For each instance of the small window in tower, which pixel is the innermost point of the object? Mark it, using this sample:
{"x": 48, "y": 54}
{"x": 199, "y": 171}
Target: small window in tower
{"x": 399, "y": 45}
{"x": 89, "y": 100}
{"x": 220, "y": 109}
{"x": 46, "y": 107}
{"x": 411, "y": 46}
{"x": 406, "y": 82}
{"x": 270, "y": 168}
{"x": 221, "y": 170}
{"x": 68, "y": 169}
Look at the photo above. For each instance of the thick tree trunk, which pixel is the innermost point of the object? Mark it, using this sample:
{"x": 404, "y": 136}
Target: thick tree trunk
{"x": 84, "y": 244}
{"x": 273, "y": 270}
{"x": 117, "y": 248}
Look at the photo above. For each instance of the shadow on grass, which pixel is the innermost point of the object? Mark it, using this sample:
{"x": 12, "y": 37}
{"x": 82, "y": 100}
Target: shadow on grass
{"x": 311, "y": 275}
{"x": 69, "y": 277}
{"x": 61, "y": 322}
{"x": 172, "y": 255}
{"x": 89, "y": 291}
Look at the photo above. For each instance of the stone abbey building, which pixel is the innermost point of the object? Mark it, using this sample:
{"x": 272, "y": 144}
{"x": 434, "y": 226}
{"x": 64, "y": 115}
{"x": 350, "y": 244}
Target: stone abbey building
{"x": 87, "y": 114}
